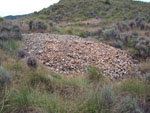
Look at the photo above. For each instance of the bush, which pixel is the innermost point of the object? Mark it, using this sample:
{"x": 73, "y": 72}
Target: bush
{"x": 147, "y": 77}
{"x": 56, "y": 75}
{"x": 142, "y": 50}
{"x": 100, "y": 101}
{"x": 40, "y": 26}
{"x": 32, "y": 62}
{"x": 132, "y": 25}
{"x": 111, "y": 34}
{"x": 10, "y": 46}
{"x": 122, "y": 26}
{"x": 145, "y": 66}
{"x": 118, "y": 44}
{"x": 107, "y": 2}
{"x": 70, "y": 31}
{"x": 94, "y": 73}
{"x": 37, "y": 26}
{"x": 38, "y": 77}
{"x": 82, "y": 34}
{"x": 142, "y": 26}
{"x": 10, "y": 32}
{"x": 20, "y": 98}
{"x": 16, "y": 33}
{"x": 132, "y": 86}
{"x": 21, "y": 54}
{"x": 135, "y": 34}
{"x": 15, "y": 67}
{"x": 1, "y": 19}
{"x": 108, "y": 98}
{"x": 31, "y": 25}
{"x": 129, "y": 105}
{"x": 5, "y": 33}
{"x": 138, "y": 21}
{"x": 5, "y": 76}
{"x": 51, "y": 24}
{"x": 130, "y": 41}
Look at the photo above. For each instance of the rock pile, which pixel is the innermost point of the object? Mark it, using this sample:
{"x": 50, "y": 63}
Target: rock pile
{"x": 66, "y": 53}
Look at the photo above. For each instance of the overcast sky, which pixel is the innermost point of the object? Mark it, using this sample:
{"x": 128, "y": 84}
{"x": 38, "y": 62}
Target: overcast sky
{"x": 17, "y": 7}
{"x": 143, "y": 0}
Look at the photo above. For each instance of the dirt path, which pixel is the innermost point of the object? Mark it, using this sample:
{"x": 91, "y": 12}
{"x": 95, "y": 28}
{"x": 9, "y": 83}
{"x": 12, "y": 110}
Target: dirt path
{"x": 66, "y": 53}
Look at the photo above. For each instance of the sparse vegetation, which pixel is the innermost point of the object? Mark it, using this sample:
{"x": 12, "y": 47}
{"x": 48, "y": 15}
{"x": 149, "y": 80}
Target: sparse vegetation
{"x": 44, "y": 91}
{"x": 27, "y": 86}
{"x": 32, "y": 62}
{"x": 94, "y": 73}
{"x": 5, "y": 76}
{"x": 130, "y": 105}
{"x": 1, "y": 19}
{"x": 10, "y": 46}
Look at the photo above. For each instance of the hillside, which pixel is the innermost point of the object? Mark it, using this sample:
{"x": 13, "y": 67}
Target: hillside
{"x": 77, "y": 56}
{"x": 10, "y": 17}
{"x": 76, "y": 10}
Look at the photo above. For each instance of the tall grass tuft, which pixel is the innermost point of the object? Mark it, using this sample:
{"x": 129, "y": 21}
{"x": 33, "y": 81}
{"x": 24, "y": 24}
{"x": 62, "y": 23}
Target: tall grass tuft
{"x": 95, "y": 74}
{"x": 10, "y": 46}
{"x": 129, "y": 105}
{"x": 133, "y": 86}
{"x": 5, "y": 76}
{"x": 100, "y": 101}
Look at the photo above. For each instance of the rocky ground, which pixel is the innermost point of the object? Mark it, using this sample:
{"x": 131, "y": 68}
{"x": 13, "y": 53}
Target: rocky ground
{"x": 67, "y": 54}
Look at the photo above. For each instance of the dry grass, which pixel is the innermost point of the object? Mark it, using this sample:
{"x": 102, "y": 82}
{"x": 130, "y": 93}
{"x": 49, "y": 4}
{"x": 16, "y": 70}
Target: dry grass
{"x": 145, "y": 66}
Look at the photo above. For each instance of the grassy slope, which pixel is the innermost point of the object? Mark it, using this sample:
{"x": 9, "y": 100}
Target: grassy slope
{"x": 42, "y": 91}
{"x": 75, "y": 10}
{"x": 23, "y": 89}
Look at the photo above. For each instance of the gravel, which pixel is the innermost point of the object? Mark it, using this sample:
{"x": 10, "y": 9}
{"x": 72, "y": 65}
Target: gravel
{"x": 72, "y": 54}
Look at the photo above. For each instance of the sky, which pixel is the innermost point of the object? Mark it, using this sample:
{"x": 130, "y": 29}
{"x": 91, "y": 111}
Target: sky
{"x": 18, "y": 7}
{"x": 143, "y": 0}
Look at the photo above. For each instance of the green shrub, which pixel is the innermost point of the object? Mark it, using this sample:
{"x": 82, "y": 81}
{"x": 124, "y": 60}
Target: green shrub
{"x": 70, "y": 31}
{"x": 5, "y": 76}
{"x": 147, "y": 77}
{"x": 56, "y": 75}
{"x": 15, "y": 32}
{"x": 38, "y": 77}
{"x": 145, "y": 66}
{"x": 129, "y": 105}
{"x": 57, "y": 30}
{"x": 94, "y": 73}
{"x": 10, "y": 32}
{"x": 1, "y": 19}
{"x": 107, "y": 2}
{"x": 10, "y": 46}
{"x": 82, "y": 34}
{"x": 100, "y": 101}
{"x": 21, "y": 53}
{"x": 49, "y": 103}
{"x": 108, "y": 97}
{"x": 135, "y": 34}
{"x": 14, "y": 66}
{"x": 20, "y": 98}
{"x": 133, "y": 86}
{"x": 40, "y": 26}
{"x": 32, "y": 62}
{"x": 111, "y": 34}
{"x": 132, "y": 42}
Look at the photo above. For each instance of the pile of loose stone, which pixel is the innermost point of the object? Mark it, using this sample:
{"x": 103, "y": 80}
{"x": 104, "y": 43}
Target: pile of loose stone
{"x": 67, "y": 54}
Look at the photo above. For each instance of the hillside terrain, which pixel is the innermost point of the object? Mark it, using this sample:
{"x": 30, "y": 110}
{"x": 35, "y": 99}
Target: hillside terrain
{"x": 77, "y": 56}
{"x": 10, "y": 17}
{"x": 115, "y": 10}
